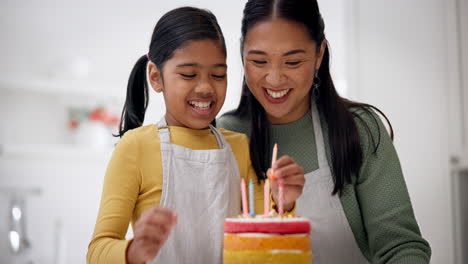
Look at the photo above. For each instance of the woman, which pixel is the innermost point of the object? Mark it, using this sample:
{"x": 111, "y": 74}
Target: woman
{"x": 355, "y": 194}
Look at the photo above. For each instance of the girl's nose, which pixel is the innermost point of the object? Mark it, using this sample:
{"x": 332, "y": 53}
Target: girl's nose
{"x": 204, "y": 87}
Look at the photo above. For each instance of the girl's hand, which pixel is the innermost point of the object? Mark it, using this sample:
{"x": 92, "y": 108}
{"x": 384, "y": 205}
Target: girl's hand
{"x": 286, "y": 169}
{"x": 151, "y": 232}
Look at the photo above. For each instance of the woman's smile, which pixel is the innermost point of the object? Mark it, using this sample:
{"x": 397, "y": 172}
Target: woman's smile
{"x": 276, "y": 96}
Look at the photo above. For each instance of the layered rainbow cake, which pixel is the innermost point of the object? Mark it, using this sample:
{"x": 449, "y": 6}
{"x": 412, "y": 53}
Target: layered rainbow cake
{"x": 267, "y": 240}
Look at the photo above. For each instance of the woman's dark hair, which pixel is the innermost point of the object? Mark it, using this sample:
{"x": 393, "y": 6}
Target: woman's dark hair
{"x": 346, "y": 152}
{"x": 173, "y": 30}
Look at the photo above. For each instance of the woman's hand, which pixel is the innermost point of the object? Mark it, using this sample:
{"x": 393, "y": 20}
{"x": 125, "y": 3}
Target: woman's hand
{"x": 151, "y": 232}
{"x": 286, "y": 169}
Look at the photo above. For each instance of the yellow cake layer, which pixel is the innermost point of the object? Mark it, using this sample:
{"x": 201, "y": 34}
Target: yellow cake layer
{"x": 264, "y": 257}
{"x": 236, "y": 242}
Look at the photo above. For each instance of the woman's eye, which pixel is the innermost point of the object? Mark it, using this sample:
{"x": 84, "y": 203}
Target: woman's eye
{"x": 189, "y": 76}
{"x": 293, "y": 63}
{"x": 260, "y": 62}
{"x": 218, "y": 76}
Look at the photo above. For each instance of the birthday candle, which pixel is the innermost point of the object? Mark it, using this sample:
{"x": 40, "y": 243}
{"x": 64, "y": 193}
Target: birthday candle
{"x": 273, "y": 160}
{"x": 281, "y": 198}
{"x": 244, "y": 198}
{"x": 266, "y": 198}
{"x": 275, "y": 153}
{"x": 280, "y": 187}
{"x": 251, "y": 198}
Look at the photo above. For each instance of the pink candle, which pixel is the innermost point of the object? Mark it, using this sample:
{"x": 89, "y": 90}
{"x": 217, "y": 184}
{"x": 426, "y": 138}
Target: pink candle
{"x": 280, "y": 183}
{"x": 275, "y": 153}
{"x": 281, "y": 198}
{"x": 245, "y": 211}
{"x": 273, "y": 160}
{"x": 266, "y": 198}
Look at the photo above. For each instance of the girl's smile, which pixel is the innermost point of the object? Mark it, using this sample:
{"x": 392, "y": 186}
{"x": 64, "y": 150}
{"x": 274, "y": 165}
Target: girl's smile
{"x": 202, "y": 107}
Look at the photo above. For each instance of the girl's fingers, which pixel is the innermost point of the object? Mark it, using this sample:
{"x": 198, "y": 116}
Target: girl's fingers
{"x": 167, "y": 218}
{"x": 151, "y": 232}
{"x": 158, "y": 216}
{"x": 150, "y": 237}
{"x": 157, "y": 210}
{"x": 164, "y": 213}
{"x": 155, "y": 224}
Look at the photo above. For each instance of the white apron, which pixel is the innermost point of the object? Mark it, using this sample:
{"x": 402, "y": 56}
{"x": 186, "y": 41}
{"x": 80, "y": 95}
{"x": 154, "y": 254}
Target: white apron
{"x": 202, "y": 186}
{"x": 332, "y": 239}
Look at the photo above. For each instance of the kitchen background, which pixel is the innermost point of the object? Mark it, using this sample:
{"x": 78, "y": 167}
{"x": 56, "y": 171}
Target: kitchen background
{"x": 63, "y": 74}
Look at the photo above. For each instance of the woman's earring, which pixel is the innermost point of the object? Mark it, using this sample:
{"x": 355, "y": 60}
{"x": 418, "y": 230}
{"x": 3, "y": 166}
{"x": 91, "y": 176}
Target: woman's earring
{"x": 316, "y": 85}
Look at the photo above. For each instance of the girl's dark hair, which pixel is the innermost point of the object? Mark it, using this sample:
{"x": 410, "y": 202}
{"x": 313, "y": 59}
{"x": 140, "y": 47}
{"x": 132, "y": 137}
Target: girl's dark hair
{"x": 346, "y": 152}
{"x": 172, "y": 31}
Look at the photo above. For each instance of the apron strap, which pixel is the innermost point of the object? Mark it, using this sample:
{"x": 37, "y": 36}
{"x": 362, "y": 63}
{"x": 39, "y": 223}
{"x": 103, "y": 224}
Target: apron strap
{"x": 165, "y": 137}
{"x": 164, "y": 131}
{"x": 219, "y": 137}
{"x": 321, "y": 154}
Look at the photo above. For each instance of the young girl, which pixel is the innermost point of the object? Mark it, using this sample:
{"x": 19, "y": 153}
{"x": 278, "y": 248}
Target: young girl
{"x": 178, "y": 180}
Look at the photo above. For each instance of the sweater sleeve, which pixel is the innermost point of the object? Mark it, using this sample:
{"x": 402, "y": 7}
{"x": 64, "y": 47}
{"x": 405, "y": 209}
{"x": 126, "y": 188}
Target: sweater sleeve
{"x": 392, "y": 231}
{"x": 120, "y": 191}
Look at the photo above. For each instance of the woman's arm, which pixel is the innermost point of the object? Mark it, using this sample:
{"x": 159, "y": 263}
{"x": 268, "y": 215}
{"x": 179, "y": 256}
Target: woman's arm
{"x": 392, "y": 231}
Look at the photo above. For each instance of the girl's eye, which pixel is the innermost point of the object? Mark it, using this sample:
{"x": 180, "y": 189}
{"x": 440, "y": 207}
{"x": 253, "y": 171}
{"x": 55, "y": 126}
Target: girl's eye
{"x": 219, "y": 76}
{"x": 189, "y": 76}
{"x": 293, "y": 63}
{"x": 260, "y": 62}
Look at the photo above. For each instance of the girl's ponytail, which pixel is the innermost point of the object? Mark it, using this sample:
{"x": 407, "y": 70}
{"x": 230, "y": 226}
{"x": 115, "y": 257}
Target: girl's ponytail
{"x": 136, "y": 102}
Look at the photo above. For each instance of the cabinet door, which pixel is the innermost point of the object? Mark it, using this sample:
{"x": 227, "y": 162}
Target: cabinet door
{"x": 463, "y": 49}
{"x": 457, "y": 85}
{"x": 458, "y": 97}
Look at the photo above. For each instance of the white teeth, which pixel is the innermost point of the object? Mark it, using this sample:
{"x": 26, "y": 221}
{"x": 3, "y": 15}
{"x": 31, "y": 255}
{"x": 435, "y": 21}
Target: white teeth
{"x": 277, "y": 94}
{"x": 201, "y": 105}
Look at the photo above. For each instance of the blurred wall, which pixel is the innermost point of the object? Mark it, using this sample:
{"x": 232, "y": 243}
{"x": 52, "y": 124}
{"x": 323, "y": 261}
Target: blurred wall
{"x": 405, "y": 62}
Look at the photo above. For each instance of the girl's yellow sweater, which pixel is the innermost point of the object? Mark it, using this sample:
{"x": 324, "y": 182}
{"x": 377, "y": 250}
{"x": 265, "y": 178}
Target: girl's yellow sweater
{"x": 133, "y": 183}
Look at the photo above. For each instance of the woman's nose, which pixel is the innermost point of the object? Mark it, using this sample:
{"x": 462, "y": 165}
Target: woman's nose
{"x": 274, "y": 76}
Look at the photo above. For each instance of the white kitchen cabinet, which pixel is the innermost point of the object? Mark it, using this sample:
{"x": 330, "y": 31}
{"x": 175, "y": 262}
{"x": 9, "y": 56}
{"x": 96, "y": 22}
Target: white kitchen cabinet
{"x": 458, "y": 89}
{"x": 457, "y": 68}
{"x": 64, "y": 89}
{"x": 463, "y": 49}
